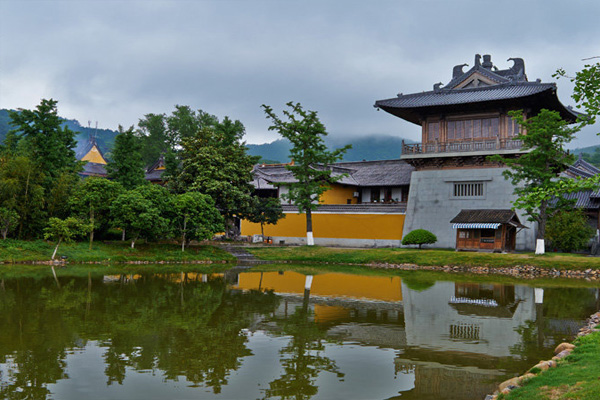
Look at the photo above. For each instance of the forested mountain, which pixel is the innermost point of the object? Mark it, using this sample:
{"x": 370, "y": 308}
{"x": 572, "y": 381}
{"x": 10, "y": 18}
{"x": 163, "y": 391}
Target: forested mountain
{"x": 372, "y": 147}
{"x": 590, "y": 154}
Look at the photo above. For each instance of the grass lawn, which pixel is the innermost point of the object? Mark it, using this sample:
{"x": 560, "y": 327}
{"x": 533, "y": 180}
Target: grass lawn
{"x": 424, "y": 257}
{"x": 39, "y": 250}
{"x": 577, "y": 377}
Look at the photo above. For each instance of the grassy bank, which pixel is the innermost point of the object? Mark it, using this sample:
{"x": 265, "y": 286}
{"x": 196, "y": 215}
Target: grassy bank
{"x": 577, "y": 377}
{"x": 23, "y": 251}
{"x": 425, "y": 257}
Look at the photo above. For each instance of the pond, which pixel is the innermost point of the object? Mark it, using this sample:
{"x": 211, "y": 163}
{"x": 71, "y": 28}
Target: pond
{"x": 246, "y": 334}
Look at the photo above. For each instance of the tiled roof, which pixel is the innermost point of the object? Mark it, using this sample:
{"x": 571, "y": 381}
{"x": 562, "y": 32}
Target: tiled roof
{"x": 504, "y": 91}
{"x": 95, "y": 169}
{"x": 584, "y": 199}
{"x": 154, "y": 175}
{"x": 359, "y": 173}
{"x": 485, "y": 216}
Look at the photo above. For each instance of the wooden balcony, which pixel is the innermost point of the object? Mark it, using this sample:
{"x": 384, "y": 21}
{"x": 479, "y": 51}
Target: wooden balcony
{"x": 465, "y": 146}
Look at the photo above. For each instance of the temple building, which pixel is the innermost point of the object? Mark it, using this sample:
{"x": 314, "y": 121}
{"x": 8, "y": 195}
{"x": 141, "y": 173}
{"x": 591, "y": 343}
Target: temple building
{"x": 462, "y": 123}
{"x": 366, "y": 207}
{"x": 95, "y": 159}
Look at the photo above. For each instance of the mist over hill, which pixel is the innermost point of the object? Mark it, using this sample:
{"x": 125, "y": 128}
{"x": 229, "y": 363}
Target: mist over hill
{"x": 369, "y": 147}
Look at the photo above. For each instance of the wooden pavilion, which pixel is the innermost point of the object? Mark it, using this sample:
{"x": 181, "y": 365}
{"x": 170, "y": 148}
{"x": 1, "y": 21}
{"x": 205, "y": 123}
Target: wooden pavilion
{"x": 491, "y": 230}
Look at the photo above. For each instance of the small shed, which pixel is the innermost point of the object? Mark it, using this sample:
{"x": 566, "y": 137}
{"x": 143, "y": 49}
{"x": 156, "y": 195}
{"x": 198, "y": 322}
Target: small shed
{"x": 494, "y": 230}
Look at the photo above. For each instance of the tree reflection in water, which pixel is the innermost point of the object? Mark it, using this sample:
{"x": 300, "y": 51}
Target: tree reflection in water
{"x": 302, "y": 359}
{"x": 175, "y": 324}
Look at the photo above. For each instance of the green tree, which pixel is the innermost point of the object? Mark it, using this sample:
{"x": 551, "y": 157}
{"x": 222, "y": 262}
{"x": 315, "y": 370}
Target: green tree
{"x": 45, "y": 140}
{"x": 153, "y": 132}
{"x": 196, "y": 217}
{"x": 136, "y": 215}
{"x": 535, "y": 174}
{"x": 126, "y": 165}
{"x": 59, "y": 230}
{"x": 211, "y": 164}
{"x": 162, "y": 200}
{"x": 264, "y": 211}
{"x": 8, "y": 220}
{"x": 569, "y": 230}
{"x": 311, "y": 158}
{"x": 21, "y": 190}
{"x": 93, "y": 198}
{"x": 419, "y": 237}
{"x": 586, "y": 92}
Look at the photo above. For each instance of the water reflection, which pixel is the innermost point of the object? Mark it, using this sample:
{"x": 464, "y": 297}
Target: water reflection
{"x": 274, "y": 335}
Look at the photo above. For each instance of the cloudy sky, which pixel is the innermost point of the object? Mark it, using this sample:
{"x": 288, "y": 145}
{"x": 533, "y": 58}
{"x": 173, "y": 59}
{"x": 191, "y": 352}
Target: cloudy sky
{"x": 114, "y": 61}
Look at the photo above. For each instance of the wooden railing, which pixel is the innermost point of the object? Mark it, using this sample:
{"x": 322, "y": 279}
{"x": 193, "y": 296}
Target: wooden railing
{"x": 461, "y": 146}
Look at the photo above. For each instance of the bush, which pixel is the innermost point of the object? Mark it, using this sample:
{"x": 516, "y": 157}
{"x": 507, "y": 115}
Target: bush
{"x": 420, "y": 237}
{"x": 568, "y": 230}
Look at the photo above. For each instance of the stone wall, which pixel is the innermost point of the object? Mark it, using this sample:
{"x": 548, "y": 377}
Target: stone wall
{"x": 431, "y": 204}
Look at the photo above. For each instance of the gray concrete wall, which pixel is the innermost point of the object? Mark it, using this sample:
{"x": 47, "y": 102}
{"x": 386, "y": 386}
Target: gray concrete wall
{"x": 431, "y": 205}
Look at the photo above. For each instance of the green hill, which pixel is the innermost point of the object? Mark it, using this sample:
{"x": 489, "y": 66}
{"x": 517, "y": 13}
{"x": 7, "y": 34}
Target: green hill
{"x": 371, "y": 147}
{"x": 590, "y": 154}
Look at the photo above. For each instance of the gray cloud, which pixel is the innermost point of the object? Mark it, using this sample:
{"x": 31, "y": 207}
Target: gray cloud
{"x": 114, "y": 61}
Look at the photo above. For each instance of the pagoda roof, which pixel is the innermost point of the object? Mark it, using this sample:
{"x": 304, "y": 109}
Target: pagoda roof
{"x": 92, "y": 152}
{"x": 480, "y": 87}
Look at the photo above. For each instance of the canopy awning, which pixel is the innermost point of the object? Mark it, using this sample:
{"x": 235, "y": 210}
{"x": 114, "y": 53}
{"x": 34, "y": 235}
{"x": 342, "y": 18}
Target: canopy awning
{"x": 476, "y": 226}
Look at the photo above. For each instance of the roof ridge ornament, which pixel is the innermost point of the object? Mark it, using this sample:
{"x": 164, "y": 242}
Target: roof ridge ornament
{"x": 458, "y": 70}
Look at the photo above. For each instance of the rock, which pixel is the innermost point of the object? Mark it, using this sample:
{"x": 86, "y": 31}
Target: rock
{"x": 509, "y": 382}
{"x": 563, "y": 346}
{"x": 542, "y": 366}
{"x": 491, "y": 397}
{"x": 562, "y": 354}
{"x": 525, "y": 377}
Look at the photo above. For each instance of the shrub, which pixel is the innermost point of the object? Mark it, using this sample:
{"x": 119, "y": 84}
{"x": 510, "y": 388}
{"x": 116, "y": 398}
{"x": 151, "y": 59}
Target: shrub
{"x": 420, "y": 237}
{"x": 568, "y": 230}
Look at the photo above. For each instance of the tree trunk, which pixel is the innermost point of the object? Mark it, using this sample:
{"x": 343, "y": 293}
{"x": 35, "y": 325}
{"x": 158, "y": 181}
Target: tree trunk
{"x": 123, "y": 236}
{"x": 183, "y": 235}
{"x": 262, "y": 230}
{"x": 133, "y": 243}
{"x": 56, "y": 248}
{"x": 540, "y": 247}
{"x": 4, "y": 233}
{"x": 92, "y": 223}
{"x": 310, "y": 241}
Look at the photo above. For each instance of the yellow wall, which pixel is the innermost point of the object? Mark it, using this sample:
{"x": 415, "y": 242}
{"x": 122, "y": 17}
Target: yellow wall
{"x": 94, "y": 156}
{"x": 339, "y": 194}
{"x": 326, "y": 285}
{"x": 342, "y": 226}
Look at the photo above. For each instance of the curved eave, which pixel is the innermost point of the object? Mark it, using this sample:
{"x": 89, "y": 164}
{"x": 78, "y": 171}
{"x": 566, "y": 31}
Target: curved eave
{"x": 537, "y": 101}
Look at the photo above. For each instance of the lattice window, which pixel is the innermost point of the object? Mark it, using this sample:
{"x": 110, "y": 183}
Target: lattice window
{"x": 468, "y": 189}
{"x": 464, "y": 331}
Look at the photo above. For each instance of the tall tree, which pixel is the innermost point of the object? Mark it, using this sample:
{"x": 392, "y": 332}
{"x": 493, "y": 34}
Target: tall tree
{"x": 50, "y": 144}
{"x": 153, "y": 133}
{"x": 311, "y": 158}
{"x": 22, "y": 190}
{"x": 537, "y": 170}
{"x": 93, "y": 198}
{"x": 213, "y": 164}
{"x": 586, "y": 92}
{"x": 126, "y": 165}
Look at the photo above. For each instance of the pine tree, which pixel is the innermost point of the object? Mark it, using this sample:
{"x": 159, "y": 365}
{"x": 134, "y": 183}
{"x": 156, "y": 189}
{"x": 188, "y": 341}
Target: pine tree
{"x": 126, "y": 165}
